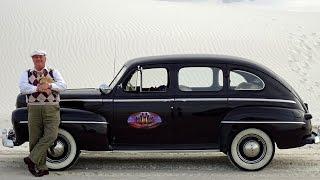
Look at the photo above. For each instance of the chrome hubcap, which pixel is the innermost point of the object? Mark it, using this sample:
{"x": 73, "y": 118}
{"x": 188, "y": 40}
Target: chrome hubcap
{"x": 251, "y": 148}
{"x": 57, "y": 150}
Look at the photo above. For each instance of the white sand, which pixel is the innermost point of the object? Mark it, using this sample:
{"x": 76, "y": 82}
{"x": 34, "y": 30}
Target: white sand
{"x": 83, "y": 38}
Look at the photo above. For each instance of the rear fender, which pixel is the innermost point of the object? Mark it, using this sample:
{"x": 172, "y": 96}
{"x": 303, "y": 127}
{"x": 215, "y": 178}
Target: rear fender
{"x": 286, "y": 127}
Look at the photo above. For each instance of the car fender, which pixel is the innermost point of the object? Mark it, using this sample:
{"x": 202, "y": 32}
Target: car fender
{"x": 89, "y": 129}
{"x": 283, "y": 125}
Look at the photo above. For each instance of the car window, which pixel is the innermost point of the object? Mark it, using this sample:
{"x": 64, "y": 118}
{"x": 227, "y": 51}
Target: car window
{"x": 148, "y": 80}
{"x": 243, "y": 80}
{"x": 200, "y": 79}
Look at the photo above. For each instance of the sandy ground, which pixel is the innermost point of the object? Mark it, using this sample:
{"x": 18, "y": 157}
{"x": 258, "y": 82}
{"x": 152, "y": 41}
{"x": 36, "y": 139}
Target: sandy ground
{"x": 295, "y": 163}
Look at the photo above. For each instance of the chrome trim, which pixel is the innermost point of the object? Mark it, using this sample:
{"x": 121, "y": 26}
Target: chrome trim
{"x": 84, "y": 100}
{"x": 73, "y": 122}
{"x": 83, "y": 122}
{"x": 143, "y": 100}
{"x": 266, "y": 100}
{"x": 5, "y": 141}
{"x": 317, "y": 137}
{"x": 107, "y": 100}
{"x": 183, "y": 99}
{"x": 201, "y": 99}
{"x": 261, "y": 122}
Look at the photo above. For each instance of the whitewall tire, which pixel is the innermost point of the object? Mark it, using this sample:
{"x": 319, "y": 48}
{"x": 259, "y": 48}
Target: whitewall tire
{"x": 64, "y": 153}
{"x": 251, "y": 149}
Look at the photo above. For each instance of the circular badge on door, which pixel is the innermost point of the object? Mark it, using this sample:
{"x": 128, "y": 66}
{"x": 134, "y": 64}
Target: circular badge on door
{"x": 144, "y": 120}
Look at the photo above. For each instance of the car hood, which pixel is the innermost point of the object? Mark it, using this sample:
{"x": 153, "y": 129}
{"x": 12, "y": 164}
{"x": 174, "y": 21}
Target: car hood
{"x": 69, "y": 94}
{"x": 84, "y": 93}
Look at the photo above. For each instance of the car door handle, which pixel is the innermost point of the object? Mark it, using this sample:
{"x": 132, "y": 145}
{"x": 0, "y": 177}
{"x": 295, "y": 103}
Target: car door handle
{"x": 173, "y": 109}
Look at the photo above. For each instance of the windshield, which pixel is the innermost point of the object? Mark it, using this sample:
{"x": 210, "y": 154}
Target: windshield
{"x": 118, "y": 76}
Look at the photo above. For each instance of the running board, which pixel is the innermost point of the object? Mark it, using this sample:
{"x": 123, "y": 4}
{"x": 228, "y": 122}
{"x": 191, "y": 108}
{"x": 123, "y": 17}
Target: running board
{"x": 166, "y": 148}
{"x": 167, "y": 151}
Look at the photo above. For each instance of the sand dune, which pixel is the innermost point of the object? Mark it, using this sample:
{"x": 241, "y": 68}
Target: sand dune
{"x": 84, "y": 38}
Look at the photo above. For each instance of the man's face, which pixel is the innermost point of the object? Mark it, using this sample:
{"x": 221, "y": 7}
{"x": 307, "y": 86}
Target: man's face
{"x": 39, "y": 62}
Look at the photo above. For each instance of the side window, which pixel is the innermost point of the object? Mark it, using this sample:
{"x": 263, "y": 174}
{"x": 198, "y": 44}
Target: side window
{"x": 147, "y": 80}
{"x": 133, "y": 84}
{"x": 200, "y": 79}
{"x": 242, "y": 80}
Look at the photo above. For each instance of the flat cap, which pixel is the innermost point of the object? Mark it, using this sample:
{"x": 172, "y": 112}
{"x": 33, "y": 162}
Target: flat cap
{"x": 38, "y": 52}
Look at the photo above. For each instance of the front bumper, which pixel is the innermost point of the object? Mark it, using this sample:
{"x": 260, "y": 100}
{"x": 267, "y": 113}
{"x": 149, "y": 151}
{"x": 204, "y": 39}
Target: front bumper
{"x": 8, "y": 138}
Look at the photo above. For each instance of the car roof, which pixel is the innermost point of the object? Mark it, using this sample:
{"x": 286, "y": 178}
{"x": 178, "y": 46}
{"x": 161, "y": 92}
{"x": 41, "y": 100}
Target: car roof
{"x": 194, "y": 58}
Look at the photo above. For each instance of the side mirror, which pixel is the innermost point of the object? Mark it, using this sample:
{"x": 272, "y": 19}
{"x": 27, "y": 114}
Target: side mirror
{"x": 104, "y": 88}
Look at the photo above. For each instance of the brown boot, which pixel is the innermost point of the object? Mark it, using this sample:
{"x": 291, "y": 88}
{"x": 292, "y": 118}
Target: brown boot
{"x": 31, "y": 166}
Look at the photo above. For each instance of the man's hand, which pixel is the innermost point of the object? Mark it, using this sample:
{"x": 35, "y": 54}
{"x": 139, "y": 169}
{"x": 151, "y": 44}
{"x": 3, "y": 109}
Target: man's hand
{"x": 48, "y": 91}
{"x": 43, "y": 87}
{"x": 38, "y": 88}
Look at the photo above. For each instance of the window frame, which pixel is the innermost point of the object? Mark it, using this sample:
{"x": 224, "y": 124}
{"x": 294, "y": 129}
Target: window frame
{"x": 205, "y": 66}
{"x": 140, "y": 68}
{"x": 245, "y": 71}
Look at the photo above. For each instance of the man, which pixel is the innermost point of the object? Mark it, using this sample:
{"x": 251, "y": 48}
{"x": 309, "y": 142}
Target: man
{"x": 42, "y": 86}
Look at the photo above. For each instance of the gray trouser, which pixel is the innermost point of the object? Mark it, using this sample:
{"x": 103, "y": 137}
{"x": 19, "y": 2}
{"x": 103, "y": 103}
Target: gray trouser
{"x": 43, "y": 125}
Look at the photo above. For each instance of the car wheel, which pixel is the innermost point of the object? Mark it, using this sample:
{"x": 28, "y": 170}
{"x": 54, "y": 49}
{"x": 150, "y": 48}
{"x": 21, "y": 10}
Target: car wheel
{"x": 64, "y": 153}
{"x": 251, "y": 149}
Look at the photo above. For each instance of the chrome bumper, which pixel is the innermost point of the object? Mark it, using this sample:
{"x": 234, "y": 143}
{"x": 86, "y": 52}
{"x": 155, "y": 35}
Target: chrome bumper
{"x": 8, "y": 138}
{"x": 317, "y": 140}
{"x": 314, "y": 138}
{"x": 317, "y": 136}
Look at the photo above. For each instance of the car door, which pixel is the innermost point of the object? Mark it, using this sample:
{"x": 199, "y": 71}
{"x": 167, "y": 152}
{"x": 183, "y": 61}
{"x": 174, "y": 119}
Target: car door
{"x": 200, "y": 103}
{"x": 142, "y": 107}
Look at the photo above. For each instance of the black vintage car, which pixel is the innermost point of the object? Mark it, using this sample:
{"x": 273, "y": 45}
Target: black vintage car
{"x": 180, "y": 102}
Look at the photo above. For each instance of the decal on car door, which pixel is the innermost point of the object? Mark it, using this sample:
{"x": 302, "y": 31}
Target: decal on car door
{"x": 144, "y": 120}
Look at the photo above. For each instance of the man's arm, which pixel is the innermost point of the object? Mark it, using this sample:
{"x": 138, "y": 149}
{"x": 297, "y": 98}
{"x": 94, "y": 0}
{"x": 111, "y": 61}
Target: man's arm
{"x": 59, "y": 85}
{"x": 25, "y": 87}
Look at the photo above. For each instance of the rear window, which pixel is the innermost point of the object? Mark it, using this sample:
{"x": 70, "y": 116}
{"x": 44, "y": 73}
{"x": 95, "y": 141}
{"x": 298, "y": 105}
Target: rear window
{"x": 243, "y": 80}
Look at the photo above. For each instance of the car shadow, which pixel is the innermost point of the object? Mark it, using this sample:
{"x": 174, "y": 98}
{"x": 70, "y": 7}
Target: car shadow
{"x": 155, "y": 161}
